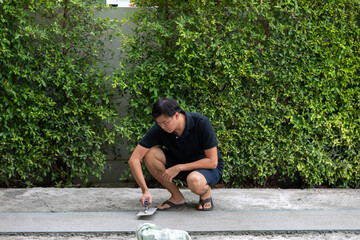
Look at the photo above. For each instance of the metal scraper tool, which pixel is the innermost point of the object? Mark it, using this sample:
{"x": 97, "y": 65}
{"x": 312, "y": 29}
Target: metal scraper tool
{"x": 147, "y": 211}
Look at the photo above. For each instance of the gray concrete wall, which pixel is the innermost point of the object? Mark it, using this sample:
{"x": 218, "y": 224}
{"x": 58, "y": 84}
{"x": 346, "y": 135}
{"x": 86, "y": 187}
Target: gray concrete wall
{"x": 116, "y": 157}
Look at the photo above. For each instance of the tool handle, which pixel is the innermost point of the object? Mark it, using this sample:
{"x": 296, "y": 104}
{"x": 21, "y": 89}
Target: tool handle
{"x": 146, "y": 202}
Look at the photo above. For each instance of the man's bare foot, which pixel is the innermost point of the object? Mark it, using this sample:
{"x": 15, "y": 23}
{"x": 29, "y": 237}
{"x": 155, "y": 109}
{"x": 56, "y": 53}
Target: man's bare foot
{"x": 204, "y": 202}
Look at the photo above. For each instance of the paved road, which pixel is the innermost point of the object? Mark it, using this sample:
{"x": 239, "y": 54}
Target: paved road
{"x": 113, "y": 210}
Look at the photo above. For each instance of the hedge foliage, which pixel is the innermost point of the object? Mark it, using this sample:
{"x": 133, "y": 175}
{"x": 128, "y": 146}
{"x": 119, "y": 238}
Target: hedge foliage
{"x": 279, "y": 80}
{"x": 54, "y": 96}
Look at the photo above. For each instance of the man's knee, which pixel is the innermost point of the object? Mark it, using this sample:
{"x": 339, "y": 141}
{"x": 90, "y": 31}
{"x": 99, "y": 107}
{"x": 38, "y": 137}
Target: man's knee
{"x": 154, "y": 157}
{"x": 153, "y": 154}
{"x": 196, "y": 181}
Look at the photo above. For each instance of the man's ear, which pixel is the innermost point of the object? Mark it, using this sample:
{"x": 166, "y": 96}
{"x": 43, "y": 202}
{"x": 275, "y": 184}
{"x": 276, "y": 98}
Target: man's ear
{"x": 177, "y": 115}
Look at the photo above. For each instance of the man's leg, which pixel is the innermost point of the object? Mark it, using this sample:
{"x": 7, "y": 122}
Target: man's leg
{"x": 155, "y": 162}
{"x": 197, "y": 184}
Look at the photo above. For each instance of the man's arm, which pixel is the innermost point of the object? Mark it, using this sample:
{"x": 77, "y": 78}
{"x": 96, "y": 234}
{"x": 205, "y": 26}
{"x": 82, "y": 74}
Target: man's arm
{"x": 210, "y": 162}
{"x": 135, "y": 166}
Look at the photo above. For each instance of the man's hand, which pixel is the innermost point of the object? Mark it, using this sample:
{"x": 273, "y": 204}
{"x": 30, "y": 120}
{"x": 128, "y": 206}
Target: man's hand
{"x": 146, "y": 196}
{"x": 170, "y": 173}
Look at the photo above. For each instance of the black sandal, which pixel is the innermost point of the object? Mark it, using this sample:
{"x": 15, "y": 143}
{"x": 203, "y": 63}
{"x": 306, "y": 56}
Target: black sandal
{"x": 172, "y": 205}
{"x": 202, "y": 202}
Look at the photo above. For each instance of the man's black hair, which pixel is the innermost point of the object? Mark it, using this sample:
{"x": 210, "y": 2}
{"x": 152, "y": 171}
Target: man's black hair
{"x": 166, "y": 106}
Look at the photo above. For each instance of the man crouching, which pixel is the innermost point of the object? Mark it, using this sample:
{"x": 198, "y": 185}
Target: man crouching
{"x": 180, "y": 145}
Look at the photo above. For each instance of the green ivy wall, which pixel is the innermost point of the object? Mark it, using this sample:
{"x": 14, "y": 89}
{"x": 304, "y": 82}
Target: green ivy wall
{"x": 279, "y": 80}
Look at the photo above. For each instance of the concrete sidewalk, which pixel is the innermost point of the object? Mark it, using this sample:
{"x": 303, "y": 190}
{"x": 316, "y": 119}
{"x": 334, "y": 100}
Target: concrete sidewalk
{"x": 79, "y": 210}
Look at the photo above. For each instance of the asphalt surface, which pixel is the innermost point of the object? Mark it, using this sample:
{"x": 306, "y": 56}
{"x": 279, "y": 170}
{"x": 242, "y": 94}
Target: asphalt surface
{"x": 113, "y": 210}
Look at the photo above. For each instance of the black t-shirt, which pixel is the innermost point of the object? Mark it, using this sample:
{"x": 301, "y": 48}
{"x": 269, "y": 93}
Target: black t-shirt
{"x": 197, "y": 136}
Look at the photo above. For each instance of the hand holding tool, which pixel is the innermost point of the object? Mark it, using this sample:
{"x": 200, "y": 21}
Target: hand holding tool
{"x": 147, "y": 211}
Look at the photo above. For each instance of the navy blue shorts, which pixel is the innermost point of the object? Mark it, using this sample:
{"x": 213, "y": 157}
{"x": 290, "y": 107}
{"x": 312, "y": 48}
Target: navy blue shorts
{"x": 212, "y": 176}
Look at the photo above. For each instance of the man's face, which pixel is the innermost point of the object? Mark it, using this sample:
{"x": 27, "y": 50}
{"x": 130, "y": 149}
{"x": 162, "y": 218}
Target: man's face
{"x": 168, "y": 124}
